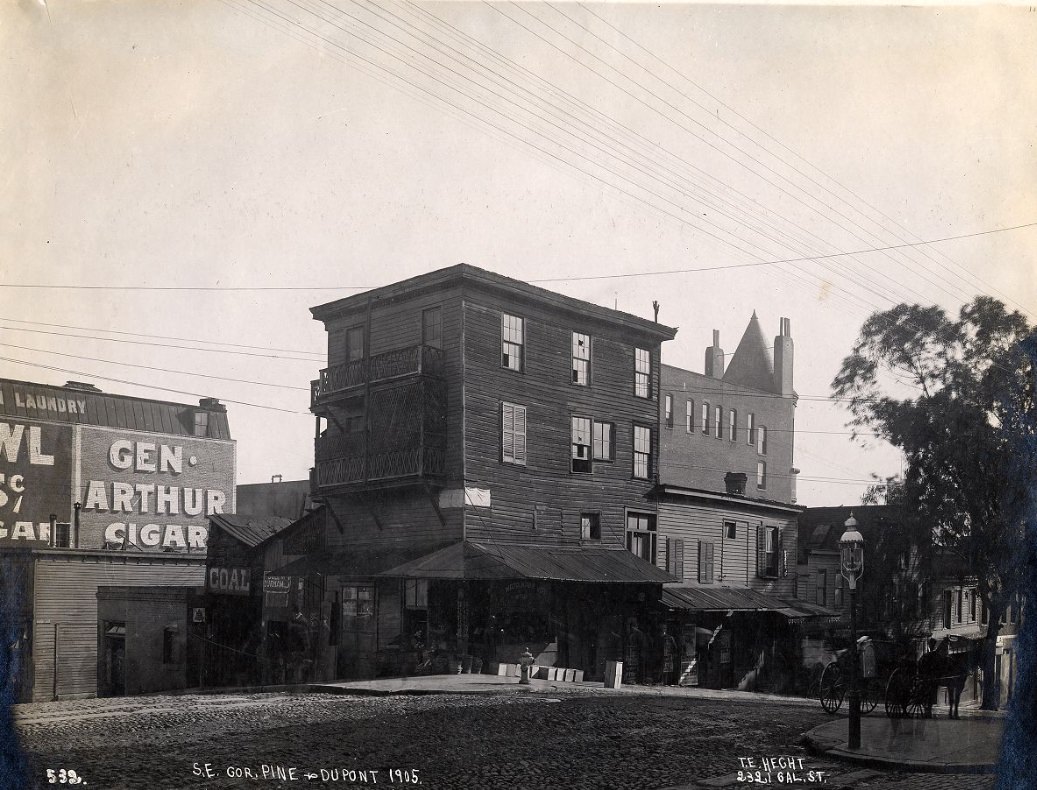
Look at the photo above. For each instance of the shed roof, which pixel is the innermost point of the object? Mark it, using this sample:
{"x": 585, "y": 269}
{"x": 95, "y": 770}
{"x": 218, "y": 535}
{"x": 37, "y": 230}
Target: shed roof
{"x": 250, "y": 530}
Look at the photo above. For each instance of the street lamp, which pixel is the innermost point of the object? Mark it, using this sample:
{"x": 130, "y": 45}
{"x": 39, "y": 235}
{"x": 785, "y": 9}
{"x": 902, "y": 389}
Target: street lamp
{"x": 851, "y": 563}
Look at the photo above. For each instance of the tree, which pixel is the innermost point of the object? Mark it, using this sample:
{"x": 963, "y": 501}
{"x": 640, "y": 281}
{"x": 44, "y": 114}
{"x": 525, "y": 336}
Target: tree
{"x": 957, "y": 397}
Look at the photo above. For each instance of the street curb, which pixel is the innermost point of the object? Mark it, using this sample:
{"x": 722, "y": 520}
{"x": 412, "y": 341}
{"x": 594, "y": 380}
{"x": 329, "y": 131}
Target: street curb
{"x": 820, "y": 748}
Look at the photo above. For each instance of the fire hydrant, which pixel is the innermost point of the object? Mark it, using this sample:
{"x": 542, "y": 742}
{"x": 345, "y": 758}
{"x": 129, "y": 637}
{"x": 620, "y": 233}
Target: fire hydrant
{"x": 525, "y": 662}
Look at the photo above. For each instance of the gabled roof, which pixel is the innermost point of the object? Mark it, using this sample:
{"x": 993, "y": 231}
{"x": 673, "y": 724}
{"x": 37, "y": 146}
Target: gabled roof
{"x": 751, "y": 365}
{"x": 250, "y": 530}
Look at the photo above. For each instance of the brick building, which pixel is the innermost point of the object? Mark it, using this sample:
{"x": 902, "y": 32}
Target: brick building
{"x": 99, "y": 489}
{"x": 485, "y": 451}
{"x": 727, "y": 513}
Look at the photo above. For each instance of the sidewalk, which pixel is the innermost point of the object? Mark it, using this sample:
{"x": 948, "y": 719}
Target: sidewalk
{"x": 940, "y": 745}
{"x": 494, "y": 684}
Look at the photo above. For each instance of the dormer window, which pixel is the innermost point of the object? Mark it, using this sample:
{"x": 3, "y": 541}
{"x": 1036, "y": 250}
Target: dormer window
{"x": 201, "y": 423}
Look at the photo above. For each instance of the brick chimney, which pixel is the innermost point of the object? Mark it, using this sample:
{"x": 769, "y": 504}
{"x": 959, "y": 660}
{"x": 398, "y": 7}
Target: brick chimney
{"x": 715, "y": 357}
{"x": 734, "y": 483}
{"x": 783, "y": 359}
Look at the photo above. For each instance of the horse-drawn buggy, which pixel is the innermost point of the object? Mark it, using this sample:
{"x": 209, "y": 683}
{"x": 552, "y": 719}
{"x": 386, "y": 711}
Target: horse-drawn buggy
{"x": 889, "y": 672}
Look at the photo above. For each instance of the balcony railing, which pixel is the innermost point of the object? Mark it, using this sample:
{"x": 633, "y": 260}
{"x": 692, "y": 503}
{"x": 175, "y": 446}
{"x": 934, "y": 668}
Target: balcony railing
{"x": 409, "y": 361}
{"x": 398, "y": 463}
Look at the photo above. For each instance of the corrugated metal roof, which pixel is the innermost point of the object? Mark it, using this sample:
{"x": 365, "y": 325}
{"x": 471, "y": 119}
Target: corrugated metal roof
{"x": 76, "y": 404}
{"x": 469, "y": 560}
{"x": 250, "y": 530}
{"x": 715, "y": 599}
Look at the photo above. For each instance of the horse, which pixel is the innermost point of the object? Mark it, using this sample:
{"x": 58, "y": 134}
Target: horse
{"x": 939, "y": 667}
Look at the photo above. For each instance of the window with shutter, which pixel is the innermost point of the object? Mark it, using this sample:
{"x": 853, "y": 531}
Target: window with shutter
{"x": 678, "y": 562}
{"x": 705, "y": 562}
{"x": 761, "y": 552}
{"x": 513, "y": 433}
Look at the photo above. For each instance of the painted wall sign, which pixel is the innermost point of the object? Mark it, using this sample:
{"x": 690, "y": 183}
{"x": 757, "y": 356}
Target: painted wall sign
{"x": 233, "y": 581}
{"x": 141, "y": 491}
{"x": 35, "y": 480}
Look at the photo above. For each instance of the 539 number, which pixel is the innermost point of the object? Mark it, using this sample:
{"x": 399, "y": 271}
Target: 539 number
{"x": 63, "y": 777}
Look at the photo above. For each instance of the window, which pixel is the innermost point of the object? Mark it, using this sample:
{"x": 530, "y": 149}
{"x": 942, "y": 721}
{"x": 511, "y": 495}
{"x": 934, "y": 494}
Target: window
{"x": 730, "y": 530}
{"x": 675, "y": 557}
{"x": 641, "y": 535}
{"x": 354, "y": 343}
{"x": 201, "y": 423}
{"x": 668, "y": 411}
{"x": 761, "y": 475}
{"x": 750, "y": 429}
{"x": 415, "y": 593}
{"x": 822, "y": 587}
{"x": 769, "y": 554}
{"x": 972, "y": 606}
{"x": 642, "y": 452}
{"x": 839, "y": 582}
{"x": 513, "y": 433}
{"x": 581, "y": 359}
{"x": 705, "y": 417}
{"x": 732, "y": 425}
{"x": 512, "y": 342}
{"x": 432, "y": 327}
{"x": 62, "y": 536}
{"x": 590, "y": 526}
{"x": 604, "y": 441}
{"x": 761, "y": 440}
{"x": 581, "y": 444}
{"x": 960, "y": 608}
{"x": 689, "y": 415}
{"x": 642, "y": 373}
{"x": 358, "y": 600}
{"x": 718, "y": 422}
{"x": 948, "y": 604}
{"x": 705, "y": 562}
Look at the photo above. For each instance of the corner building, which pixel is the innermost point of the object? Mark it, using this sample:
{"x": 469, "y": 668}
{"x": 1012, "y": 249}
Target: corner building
{"x": 485, "y": 452}
{"x": 100, "y": 490}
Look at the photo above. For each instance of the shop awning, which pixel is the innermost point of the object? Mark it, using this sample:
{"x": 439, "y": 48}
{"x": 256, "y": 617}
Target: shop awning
{"x": 488, "y": 561}
{"x": 738, "y": 599}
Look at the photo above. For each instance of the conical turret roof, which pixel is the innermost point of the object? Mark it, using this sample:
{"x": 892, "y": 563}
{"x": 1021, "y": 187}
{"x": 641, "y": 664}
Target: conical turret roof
{"x": 751, "y": 365}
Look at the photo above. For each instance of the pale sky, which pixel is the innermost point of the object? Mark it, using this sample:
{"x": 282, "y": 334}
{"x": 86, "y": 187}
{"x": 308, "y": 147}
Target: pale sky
{"x": 256, "y": 143}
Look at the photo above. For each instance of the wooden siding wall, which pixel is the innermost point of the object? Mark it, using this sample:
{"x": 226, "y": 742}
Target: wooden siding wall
{"x": 225, "y": 551}
{"x": 66, "y": 602}
{"x": 734, "y": 561}
{"x": 146, "y": 617}
{"x": 396, "y": 324}
{"x": 698, "y": 460}
{"x": 542, "y": 501}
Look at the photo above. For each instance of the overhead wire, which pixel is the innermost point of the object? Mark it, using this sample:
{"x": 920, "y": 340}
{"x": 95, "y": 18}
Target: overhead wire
{"x": 801, "y": 158}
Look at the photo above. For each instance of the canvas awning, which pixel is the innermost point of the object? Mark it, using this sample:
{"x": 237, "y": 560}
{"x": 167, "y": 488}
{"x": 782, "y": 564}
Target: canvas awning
{"x": 489, "y": 561}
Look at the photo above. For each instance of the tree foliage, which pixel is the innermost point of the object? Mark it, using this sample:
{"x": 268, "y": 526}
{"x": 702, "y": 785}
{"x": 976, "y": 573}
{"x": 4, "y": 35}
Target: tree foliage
{"x": 957, "y": 397}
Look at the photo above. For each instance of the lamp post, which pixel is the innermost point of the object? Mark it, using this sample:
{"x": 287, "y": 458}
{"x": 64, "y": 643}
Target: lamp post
{"x": 851, "y": 564}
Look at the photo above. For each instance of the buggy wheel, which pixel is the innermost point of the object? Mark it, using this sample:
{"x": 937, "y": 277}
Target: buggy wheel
{"x": 921, "y": 688}
{"x": 898, "y": 691}
{"x": 871, "y": 689}
{"x": 832, "y": 688}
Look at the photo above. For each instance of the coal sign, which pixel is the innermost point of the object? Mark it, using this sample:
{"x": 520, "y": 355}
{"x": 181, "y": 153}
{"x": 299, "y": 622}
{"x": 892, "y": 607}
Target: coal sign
{"x": 230, "y": 581}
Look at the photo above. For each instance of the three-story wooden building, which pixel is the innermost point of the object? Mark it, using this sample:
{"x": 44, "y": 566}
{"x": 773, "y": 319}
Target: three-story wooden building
{"x": 485, "y": 451}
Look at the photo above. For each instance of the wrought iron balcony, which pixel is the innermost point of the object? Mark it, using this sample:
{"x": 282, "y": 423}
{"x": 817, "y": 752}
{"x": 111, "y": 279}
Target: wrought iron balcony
{"x": 342, "y": 464}
{"x": 410, "y": 361}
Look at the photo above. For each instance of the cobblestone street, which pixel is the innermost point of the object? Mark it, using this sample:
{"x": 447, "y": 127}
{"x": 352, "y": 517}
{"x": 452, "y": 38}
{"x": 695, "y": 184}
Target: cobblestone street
{"x": 506, "y": 740}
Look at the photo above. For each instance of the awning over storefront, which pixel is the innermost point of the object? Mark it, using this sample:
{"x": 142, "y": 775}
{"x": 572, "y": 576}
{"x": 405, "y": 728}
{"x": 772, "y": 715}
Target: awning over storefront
{"x": 738, "y": 599}
{"x": 488, "y": 561}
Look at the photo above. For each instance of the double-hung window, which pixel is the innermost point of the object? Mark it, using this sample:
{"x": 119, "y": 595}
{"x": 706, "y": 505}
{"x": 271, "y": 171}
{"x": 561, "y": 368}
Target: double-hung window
{"x": 581, "y": 359}
{"x": 668, "y": 410}
{"x": 512, "y": 333}
{"x": 642, "y": 373}
{"x": 750, "y": 429}
{"x": 761, "y": 475}
{"x": 432, "y": 327}
{"x": 590, "y": 526}
{"x": 642, "y": 452}
{"x": 689, "y": 415}
{"x": 718, "y": 422}
{"x": 354, "y": 343}
{"x": 768, "y": 552}
{"x": 513, "y": 433}
{"x": 641, "y": 535}
{"x": 732, "y": 425}
{"x": 581, "y": 444}
{"x": 761, "y": 440}
{"x": 705, "y": 417}
{"x": 604, "y": 447}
